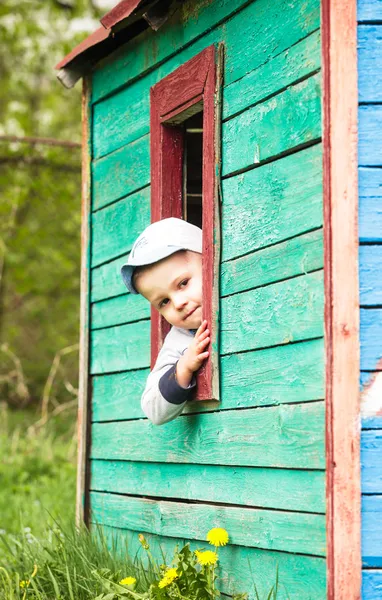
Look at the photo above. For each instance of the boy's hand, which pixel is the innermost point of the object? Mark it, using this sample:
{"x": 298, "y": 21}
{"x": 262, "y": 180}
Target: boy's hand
{"x": 194, "y": 356}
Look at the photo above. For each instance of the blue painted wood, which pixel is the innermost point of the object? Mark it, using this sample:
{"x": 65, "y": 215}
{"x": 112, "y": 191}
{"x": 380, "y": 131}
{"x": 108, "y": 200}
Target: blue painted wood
{"x": 372, "y": 422}
{"x": 370, "y": 204}
{"x": 372, "y": 531}
{"x": 371, "y": 584}
{"x": 371, "y": 461}
{"x": 370, "y": 336}
{"x": 369, "y": 142}
{"x": 369, "y": 10}
{"x": 370, "y": 275}
{"x": 369, "y": 63}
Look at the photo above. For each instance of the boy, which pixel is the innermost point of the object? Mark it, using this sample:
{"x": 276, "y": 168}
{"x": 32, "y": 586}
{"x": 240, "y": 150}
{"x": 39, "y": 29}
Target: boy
{"x": 165, "y": 266}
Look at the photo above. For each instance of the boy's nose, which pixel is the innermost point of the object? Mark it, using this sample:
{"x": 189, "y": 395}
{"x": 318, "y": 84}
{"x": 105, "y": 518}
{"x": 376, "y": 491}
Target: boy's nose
{"x": 179, "y": 302}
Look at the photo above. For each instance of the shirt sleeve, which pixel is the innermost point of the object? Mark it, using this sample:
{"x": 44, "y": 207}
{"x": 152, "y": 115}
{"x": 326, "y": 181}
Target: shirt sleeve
{"x": 163, "y": 398}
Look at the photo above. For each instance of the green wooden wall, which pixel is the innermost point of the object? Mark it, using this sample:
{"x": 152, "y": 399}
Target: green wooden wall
{"x": 255, "y": 463}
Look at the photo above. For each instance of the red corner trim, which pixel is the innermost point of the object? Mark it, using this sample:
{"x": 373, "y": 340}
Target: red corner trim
{"x": 120, "y": 12}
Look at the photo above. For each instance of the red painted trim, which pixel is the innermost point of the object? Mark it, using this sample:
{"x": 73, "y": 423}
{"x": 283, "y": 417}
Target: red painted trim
{"x": 120, "y": 12}
{"x": 343, "y": 489}
{"x": 193, "y": 82}
{"x": 100, "y": 35}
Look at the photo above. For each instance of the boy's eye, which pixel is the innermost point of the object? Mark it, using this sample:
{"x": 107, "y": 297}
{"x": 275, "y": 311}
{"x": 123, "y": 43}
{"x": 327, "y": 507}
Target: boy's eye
{"x": 184, "y": 282}
{"x": 163, "y": 302}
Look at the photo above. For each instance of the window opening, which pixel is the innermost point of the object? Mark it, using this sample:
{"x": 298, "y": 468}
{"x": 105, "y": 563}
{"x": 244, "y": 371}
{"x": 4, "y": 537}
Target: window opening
{"x": 193, "y": 170}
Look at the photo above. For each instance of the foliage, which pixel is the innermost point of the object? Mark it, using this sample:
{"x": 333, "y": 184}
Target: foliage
{"x": 39, "y": 194}
{"x": 37, "y": 473}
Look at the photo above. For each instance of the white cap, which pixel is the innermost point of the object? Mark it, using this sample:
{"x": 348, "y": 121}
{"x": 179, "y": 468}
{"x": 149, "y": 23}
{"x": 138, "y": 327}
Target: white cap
{"x": 159, "y": 240}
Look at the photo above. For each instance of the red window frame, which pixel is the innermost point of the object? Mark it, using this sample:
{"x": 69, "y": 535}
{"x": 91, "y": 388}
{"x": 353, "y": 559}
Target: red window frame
{"x": 193, "y": 86}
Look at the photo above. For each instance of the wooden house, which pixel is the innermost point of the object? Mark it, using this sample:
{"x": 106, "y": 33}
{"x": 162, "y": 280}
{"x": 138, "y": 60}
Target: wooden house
{"x": 262, "y": 121}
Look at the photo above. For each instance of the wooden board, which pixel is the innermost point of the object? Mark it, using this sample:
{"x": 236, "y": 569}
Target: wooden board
{"x": 257, "y": 528}
{"x": 369, "y": 42}
{"x": 369, "y": 144}
{"x": 289, "y": 436}
{"x": 371, "y": 455}
{"x": 285, "y": 122}
{"x": 116, "y": 227}
{"x": 256, "y": 24}
{"x": 370, "y": 204}
{"x": 369, "y": 10}
{"x": 280, "y": 313}
{"x": 370, "y": 338}
{"x": 118, "y": 348}
{"x": 269, "y": 488}
{"x": 281, "y": 375}
{"x": 121, "y": 173}
{"x": 371, "y": 584}
{"x": 370, "y": 275}
{"x": 122, "y": 309}
{"x": 284, "y": 260}
{"x": 372, "y": 531}
{"x": 106, "y": 280}
{"x": 276, "y": 201}
{"x": 241, "y": 567}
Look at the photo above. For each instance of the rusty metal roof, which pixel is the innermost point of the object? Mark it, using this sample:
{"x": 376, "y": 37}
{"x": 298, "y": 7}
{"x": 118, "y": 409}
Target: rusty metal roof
{"x": 126, "y": 20}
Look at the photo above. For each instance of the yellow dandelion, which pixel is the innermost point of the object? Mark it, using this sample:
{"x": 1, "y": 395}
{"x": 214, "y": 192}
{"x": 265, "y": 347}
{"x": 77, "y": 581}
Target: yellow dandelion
{"x": 143, "y": 541}
{"x": 217, "y": 537}
{"x": 206, "y": 558}
{"x": 168, "y": 578}
{"x": 24, "y": 583}
{"x": 128, "y": 581}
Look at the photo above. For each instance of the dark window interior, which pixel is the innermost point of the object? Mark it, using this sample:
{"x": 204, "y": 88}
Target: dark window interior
{"x": 193, "y": 169}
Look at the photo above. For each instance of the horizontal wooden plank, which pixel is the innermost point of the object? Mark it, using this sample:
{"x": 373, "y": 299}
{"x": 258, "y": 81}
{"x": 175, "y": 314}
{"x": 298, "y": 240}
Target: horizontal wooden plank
{"x": 282, "y": 123}
{"x": 369, "y": 10}
{"x": 369, "y": 144}
{"x": 369, "y": 43}
{"x": 125, "y": 116}
{"x": 241, "y": 568}
{"x": 371, "y": 461}
{"x": 115, "y": 227}
{"x": 263, "y": 34}
{"x": 372, "y": 422}
{"x": 287, "y": 259}
{"x": 275, "y": 202}
{"x": 106, "y": 280}
{"x": 293, "y": 64}
{"x": 287, "y": 436}
{"x": 371, "y": 584}
{"x": 268, "y": 488}
{"x": 281, "y": 375}
{"x": 118, "y": 348}
{"x": 122, "y": 309}
{"x": 121, "y": 172}
{"x": 256, "y": 528}
{"x": 370, "y": 275}
{"x": 370, "y": 204}
{"x": 372, "y": 531}
{"x": 370, "y": 338}
{"x": 288, "y": 311}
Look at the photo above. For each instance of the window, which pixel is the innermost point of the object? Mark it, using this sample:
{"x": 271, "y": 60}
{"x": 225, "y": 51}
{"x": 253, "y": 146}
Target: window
{"x": 185, "y": 163}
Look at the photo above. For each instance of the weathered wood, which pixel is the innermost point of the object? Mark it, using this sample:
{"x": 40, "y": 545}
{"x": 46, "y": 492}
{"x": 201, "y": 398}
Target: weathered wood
{"x": 372, "y": 531}
{"x": 284, "y": 260}
{"x": 369, "y": 10}
{"x": 281, "y": 375}
{"x": 282, "y": 123}
{"x": 371, "y": 584}
{"x": 265, "y": 30}
{"x": 370, "y": 275}
{"x": 372, "y": 422}
{"x": 121, "y": 173}
{"x": 369, "y": 144}
{"x": 280, "y": 313}
{"x": 289, "y": 436}
{"x": 106, "y": 280}
{"x": 118, "y": 348}
{"x": 370, "y": 205}
{"x": 256, "y": 528}
{"x": 241, "y": 567}
{"x": 340, "y": 104}
{"x": 371, "y": 453}
{"x": 297, "y": 62}
{"x": 370, "y": 338}
{"x": 115, "y": 227}
{"x": 268, "y": 488}
{"x": 369, "y": 42}
{"x": 275, "y": 201}
{"x": 122, "y": 309}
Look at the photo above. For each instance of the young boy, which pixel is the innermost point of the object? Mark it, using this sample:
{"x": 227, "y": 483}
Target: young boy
{"x": 165, "y": 266}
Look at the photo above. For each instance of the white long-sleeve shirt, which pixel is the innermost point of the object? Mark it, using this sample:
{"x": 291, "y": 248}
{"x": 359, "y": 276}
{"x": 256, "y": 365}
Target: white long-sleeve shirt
{"x": 163, "y": 398}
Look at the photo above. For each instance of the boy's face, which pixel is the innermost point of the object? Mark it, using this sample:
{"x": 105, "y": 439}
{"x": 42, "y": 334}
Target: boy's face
{"x": 174, "y": 287}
